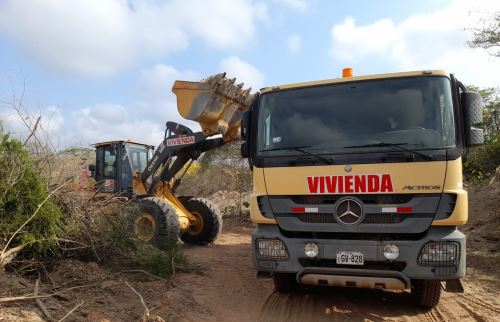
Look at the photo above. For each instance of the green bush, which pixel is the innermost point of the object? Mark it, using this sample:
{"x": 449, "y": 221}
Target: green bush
{"x": 22, "y": 190}
{"x": 482, "y": 162}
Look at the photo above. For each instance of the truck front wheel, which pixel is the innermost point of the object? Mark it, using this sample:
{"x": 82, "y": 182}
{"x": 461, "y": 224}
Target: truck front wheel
{"x": 284, "y": 282}
{"x": 426, "y": 292}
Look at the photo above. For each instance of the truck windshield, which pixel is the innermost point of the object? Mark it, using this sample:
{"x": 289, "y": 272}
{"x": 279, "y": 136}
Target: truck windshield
{"x": 357, "y": 116}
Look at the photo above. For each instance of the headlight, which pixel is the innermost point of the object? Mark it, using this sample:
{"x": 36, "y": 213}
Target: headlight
{"x": 439, "y": 253}
{"x": 271, "y": 249}
{"x": 311, "y": 250}
{"x": 391, "y": 252}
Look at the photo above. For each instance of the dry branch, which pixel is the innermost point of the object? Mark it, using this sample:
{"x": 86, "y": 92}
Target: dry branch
{"x": 71, "y": 311}
{"x": 39, "y": 302}
{"x": 33, "y": 297}
{"x": 140, "y": 297}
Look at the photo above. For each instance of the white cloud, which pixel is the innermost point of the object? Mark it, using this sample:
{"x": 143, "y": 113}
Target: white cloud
{"x": 104, "y": 122}
{"x": 51, "y": 121}
{"x": 294, "y": 4}
{"x": 156, "y": 100}
{"x": 100, "y": 38}
{"x": 422, "y": 41}
{"x": 243, "y": 71}
{"x": 294, "y": 43}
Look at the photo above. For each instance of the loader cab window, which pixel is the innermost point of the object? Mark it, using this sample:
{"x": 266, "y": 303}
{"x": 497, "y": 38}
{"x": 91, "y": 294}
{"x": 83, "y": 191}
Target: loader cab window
{"x": 137, "y": 156}
{"x": 110, "y": 165}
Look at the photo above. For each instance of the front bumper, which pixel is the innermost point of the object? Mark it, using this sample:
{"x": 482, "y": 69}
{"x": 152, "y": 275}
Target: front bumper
{"x": 377, "y": 269}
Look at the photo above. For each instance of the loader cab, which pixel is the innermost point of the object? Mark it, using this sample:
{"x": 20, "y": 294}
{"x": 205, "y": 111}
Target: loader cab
{"x": 116, "y": 161}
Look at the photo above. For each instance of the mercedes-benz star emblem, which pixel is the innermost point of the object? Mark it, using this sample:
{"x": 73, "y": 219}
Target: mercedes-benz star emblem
{"x": 349, "y": 211}
{"x": 347, "y": 168}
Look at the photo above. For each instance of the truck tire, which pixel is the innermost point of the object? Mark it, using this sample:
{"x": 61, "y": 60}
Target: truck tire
{"x": 155, "y": 222}
{"x": 208, "y": 223}
{"x": 426, "y": 292}
{"x": 284, "y": 282}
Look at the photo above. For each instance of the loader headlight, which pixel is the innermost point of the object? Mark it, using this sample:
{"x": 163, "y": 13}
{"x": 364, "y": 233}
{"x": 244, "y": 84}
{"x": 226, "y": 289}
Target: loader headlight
{"x": 311, "y": 250}
{"x": 271, "y": 249}
{"x": 439, "y": 253}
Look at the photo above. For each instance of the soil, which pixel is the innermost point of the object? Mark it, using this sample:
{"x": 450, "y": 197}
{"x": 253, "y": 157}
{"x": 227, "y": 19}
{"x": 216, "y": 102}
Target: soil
{"x": 227, "y": 288}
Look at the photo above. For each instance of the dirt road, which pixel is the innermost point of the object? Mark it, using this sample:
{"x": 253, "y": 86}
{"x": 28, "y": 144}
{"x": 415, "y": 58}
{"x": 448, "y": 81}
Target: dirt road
{"x": 230, "y": 291}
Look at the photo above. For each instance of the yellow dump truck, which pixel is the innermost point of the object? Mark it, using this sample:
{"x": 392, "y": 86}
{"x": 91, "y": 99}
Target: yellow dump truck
{"x": 357, "y": 180}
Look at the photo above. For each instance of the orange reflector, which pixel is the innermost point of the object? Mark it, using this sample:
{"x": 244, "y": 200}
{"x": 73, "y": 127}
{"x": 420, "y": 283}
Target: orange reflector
{"x": 347, "y": 72}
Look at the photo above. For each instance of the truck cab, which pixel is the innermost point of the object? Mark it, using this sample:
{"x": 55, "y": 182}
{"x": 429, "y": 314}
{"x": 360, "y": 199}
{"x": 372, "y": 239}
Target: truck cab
{"x": 358, "y": 181}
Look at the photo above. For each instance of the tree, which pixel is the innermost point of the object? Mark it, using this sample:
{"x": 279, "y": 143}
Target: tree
{"x": 487, "y": 36}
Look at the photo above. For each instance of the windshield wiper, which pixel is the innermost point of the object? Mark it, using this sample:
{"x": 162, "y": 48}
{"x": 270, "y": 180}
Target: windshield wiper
{"x": 393, "y": 145}
{"x": 300, "y": 149}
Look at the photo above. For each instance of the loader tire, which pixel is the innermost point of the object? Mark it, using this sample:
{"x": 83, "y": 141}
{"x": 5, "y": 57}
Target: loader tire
{"x": 208, "y": 225}
{"x": 155, "y": 222}
{"x": 426, "y": 292}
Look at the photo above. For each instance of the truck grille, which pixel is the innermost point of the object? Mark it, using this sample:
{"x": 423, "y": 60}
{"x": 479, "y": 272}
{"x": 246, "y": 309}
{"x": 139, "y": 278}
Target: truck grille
{"x": 394, "y": 199}
{"x": 369, "y": 218}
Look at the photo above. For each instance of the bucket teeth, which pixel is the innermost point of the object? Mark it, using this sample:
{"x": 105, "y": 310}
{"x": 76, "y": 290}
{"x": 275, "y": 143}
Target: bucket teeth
{"x": 220, "y": 111}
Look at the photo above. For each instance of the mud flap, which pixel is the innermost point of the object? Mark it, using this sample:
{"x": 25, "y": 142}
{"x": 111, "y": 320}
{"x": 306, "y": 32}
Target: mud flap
{"x": 453, "y": 286}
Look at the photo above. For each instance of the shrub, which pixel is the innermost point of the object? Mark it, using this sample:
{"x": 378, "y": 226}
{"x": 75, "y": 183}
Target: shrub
{"x": 482, "y": 162}
{"x": 22, "y": 190}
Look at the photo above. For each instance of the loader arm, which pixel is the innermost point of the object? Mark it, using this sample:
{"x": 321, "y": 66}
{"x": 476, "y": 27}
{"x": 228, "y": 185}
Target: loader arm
{"x": 179, "y": 143}
{"x": 217, "y": 104}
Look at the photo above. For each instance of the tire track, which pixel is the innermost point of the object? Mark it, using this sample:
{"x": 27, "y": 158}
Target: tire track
{"x": 480, "y": 303}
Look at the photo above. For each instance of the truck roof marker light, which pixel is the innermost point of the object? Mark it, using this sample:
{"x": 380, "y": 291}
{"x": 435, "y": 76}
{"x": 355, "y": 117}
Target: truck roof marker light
{"x": 304, "y": 210}
{"x": 347, "y": 72}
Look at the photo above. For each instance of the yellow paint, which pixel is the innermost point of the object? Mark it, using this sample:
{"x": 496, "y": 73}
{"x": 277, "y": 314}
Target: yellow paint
{"x": 293, "y": 181}
{"x": 163, "y": 191}
{"x": 353, "y": 79}
{"x": 217, "y": 112}
{"x": 259, "y": 189}
{"x": 454, "y": 184}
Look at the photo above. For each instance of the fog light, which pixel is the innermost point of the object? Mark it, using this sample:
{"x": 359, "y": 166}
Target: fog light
{"x": 439, "y": 253}
{"x": 271, "y": 249}
{"x": 391, "y": 252}
{"x": 311, "y": 250}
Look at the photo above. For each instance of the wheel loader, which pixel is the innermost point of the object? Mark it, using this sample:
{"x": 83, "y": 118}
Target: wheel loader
{"x": 149, "y": 177}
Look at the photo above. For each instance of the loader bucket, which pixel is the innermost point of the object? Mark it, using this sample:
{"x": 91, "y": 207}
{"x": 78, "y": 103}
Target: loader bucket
{"x": 216, "y": 103}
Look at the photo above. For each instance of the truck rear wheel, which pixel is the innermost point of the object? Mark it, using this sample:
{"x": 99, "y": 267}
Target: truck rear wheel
{"x": 155, "y": 222}
{"x": 207, "y": 224}
{"x": 426, "y": 292}
{"x": 284, "y": 282}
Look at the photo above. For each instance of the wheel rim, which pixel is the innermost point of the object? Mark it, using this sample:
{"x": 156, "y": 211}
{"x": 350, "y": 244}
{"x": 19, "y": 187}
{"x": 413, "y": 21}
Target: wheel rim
{"x": 144, "y": 226}
{"x": 196, "y": 224}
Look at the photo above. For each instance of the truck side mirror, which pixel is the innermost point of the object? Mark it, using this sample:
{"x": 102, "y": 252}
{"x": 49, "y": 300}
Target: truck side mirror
{"x": 246, "y": 121}
{"x": 472, "y": 104}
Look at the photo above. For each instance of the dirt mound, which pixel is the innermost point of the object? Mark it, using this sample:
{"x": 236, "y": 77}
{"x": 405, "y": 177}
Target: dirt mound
{"x": 483, "y": 228}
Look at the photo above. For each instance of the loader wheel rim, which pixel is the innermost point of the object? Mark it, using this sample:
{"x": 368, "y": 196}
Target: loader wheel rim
{"x": 144, "y": 226}
{"x": 196, "y": 224}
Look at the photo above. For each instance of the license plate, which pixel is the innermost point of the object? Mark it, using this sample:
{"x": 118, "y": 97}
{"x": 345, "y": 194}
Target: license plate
{"x": 350, "y": 258}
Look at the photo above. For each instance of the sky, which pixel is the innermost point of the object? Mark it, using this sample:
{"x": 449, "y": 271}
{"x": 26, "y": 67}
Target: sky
{"x": 99, "y": 70}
